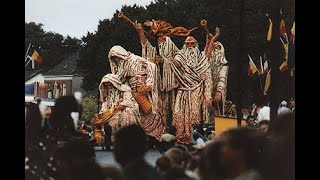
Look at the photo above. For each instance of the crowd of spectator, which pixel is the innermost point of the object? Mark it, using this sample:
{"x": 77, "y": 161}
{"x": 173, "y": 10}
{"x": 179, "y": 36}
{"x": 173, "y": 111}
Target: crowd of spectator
{"x": 56, "y": 148}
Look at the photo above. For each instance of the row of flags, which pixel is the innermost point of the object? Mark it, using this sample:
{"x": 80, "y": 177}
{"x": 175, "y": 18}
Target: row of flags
{"x": 284, "y": 40}
{"x": 263, "y": 68}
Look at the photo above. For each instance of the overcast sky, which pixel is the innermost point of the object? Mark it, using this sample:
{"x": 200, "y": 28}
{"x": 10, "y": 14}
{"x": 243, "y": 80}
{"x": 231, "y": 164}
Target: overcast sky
{"x": 74, "y": 17}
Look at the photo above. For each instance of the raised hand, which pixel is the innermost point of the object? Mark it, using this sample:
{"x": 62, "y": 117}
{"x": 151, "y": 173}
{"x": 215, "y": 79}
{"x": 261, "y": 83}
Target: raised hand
{"x": 138, "y": 26}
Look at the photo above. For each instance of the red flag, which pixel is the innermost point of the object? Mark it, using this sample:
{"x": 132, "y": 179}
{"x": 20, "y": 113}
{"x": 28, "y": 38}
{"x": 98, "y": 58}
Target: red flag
{"x": 36, "y": 57}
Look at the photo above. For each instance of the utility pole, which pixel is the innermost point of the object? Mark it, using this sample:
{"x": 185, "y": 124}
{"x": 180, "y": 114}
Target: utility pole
{"x": 242, "y": 51}
{"x": 276, "y": 60}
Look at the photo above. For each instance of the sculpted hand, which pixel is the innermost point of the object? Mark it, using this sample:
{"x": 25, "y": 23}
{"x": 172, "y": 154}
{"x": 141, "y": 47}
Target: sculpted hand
{"x": 158, "y": 59}
{"x": 138, "y": 26}
{"x": 217, "y": 96}
{"x": 144, "y": 89}
{"x": 119, "y": 107}
{"x": 209, "y": 37}
{"x": 208, "y": 103}
{"x": 217, "y": 34}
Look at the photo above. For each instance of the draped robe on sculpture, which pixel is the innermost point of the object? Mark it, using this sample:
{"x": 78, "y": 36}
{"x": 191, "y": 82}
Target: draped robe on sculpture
{"x": 119, "y": 94}
{"x": 166, "y": 82}
{"x": 133, "y": 69}
{"x": 195, "y": 86}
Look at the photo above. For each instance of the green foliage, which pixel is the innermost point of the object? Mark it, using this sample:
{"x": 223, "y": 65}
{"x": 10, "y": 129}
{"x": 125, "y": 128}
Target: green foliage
{"x": 90, "y": 107}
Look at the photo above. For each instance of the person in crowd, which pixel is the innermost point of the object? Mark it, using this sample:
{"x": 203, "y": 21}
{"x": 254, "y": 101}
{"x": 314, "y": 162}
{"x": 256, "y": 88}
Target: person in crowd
{"x": 264, "y": 127}
{"x": 283, "y": 108}
{"x": 129, "y": 149}
{"x": 279, "y": 160}
{"x": 198, "y": 138}
{"x": 241, "y": 152}
{"x": 163, "y": 165}
{"x": 166, "y": 142}
{"x": 107, "y": 137}
{"x": 264, "y": 113}
{"x": 251, "y": 121}
{"x": 292, "y": 104}
{"x": 210, "y": 164}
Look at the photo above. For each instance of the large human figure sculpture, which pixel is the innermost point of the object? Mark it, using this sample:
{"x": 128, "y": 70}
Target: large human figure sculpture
{"x": 117, "y": 99}
{"x": 162, "y": 31}
{"x": 192, "y": 71}
{"x": 219, "y": 70}
{"x": 141, "y": 75}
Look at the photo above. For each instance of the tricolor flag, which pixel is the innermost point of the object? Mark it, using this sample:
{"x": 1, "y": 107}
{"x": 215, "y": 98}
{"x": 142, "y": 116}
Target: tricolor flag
{"x": 267, "y": 84}
{"x": 252, "y": 69}
{"x": 36, "y": 57}
{"x": 269, "y": 35}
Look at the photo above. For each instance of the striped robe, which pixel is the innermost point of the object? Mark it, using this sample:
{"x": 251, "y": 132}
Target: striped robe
{"x": 195, "y": 86}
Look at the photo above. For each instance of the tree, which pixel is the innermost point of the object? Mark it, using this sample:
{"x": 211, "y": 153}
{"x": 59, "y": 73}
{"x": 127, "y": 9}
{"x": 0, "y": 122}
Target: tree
{"x": 52, "y": 47}
{"x": 90, "y": 107}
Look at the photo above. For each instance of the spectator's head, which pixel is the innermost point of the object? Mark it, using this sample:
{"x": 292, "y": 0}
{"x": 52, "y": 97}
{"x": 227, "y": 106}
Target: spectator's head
{"x": 284, "y": 125}
{"x": 175, "y": 156}
{"x": 130, "y": 144}
{"x": 264, "y": 126}
{"x": 196, "y": 135}
{"x": 163, "y": 164}
{"x": 210, "y": 164}
{"x": 282, "y": 154}
{"x": 241, "y": 147}
{"x": 283, "y": 104}
{"x": 65, "y": 113}
{"x": 33, "y": 121}
{"x": 250, "y": 121}
{"x": 283, "y": 110}
{"x": 292, "y": 103}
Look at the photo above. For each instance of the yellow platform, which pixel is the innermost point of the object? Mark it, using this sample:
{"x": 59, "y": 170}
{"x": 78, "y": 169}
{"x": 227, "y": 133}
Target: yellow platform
{"x": 223, "y": 123}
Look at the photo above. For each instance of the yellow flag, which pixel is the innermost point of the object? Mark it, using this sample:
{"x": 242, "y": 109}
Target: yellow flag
{"x": 267, "y": 84}
{"x": 269, "y": 35}
{"x": 284, "y": 66}
{"x": 293, "y": 32}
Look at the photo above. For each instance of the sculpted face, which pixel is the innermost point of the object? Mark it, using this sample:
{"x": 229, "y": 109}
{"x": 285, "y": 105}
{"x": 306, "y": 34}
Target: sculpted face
{"x": 190, "y": 42}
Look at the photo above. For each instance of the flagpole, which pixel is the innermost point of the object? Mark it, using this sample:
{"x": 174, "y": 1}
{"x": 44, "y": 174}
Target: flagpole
{"x": 274, "y": 91}
{"x": 26, "y": 56}
{"x": 32, "y": 63}
{"x": 260, "y": 83}
{"x": 28, "y": 61}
